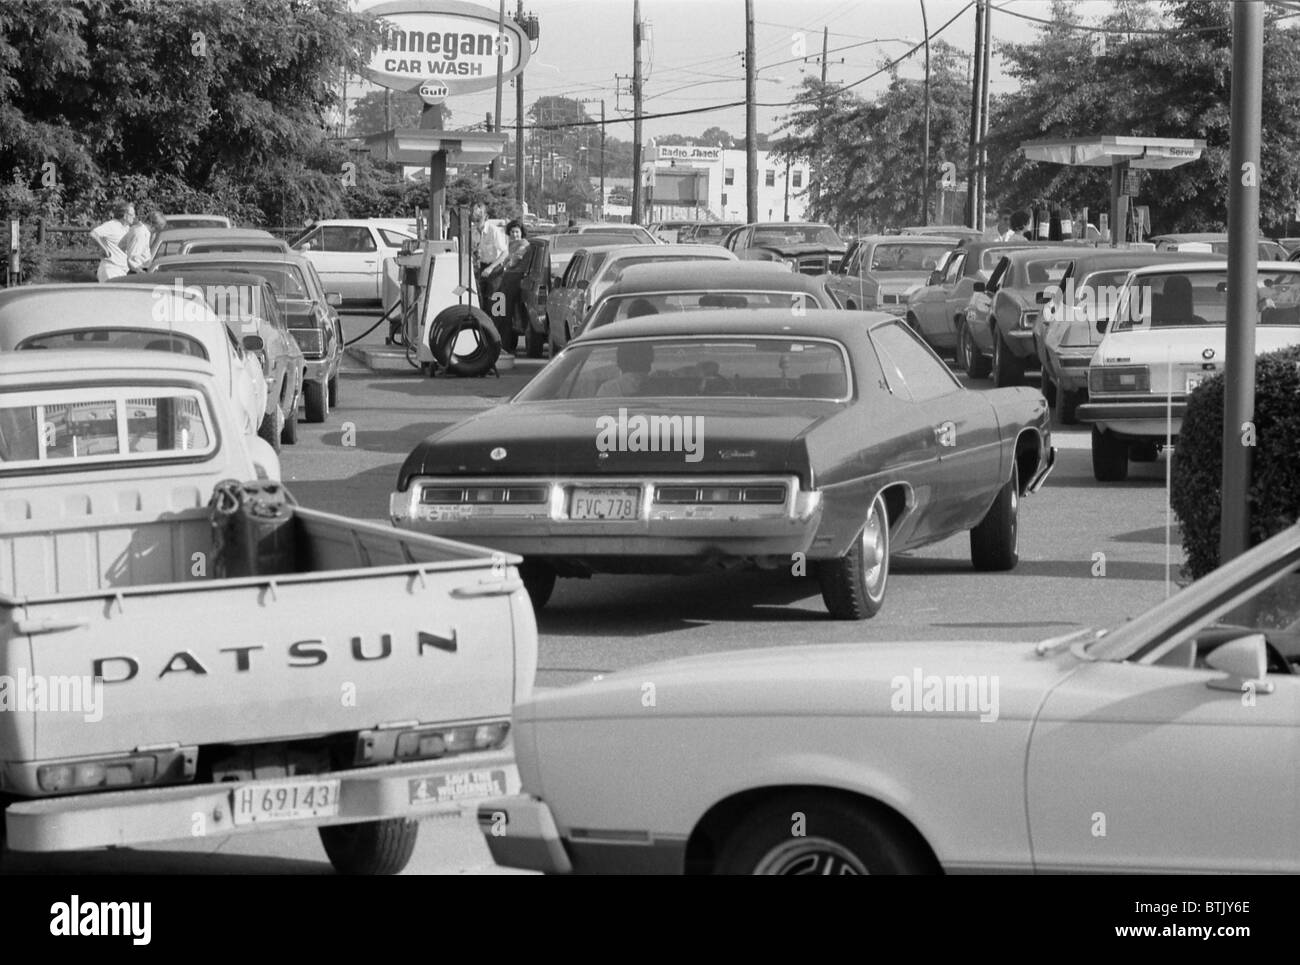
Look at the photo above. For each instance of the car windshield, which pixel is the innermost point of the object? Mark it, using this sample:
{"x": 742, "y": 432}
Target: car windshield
{"x": 286, "y": 279}
{"x": 990, "y": 257}
{"x": 152, "y": 340}
{"x": 1178, "y": 298}
{"x": 791, "y": 234}
{"x": 618, "y": 307}
{"x": 572, "y": 242}
{"x": 908, "y": 257}
{"x": 762, "y": 368}
{"x": 709, "y": 232}
{"x": 622, "y": 264}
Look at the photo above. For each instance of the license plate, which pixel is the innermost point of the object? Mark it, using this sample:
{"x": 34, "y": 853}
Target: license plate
{"x": 458, "y": 786}
{"x": 1194, "y": 380}
{"x": 287, "y": 801}
{"x": 605, "y": 504}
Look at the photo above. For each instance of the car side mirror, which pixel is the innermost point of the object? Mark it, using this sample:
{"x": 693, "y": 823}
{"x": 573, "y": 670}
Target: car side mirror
{"x": 334, "y": 298}
{"x": 254, "y": 343}
{"x": 1101, "y": 326}
{"x": 1245, "y": 661}
{"x": 977, "y": 286}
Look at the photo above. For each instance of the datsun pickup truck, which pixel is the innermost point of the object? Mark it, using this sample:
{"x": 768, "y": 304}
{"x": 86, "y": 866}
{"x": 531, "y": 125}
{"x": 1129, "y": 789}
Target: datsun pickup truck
{"x": 365, "y": 683}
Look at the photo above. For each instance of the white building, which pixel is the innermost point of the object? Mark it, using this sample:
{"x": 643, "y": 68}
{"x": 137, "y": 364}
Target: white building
{"x": 696, "y": 182}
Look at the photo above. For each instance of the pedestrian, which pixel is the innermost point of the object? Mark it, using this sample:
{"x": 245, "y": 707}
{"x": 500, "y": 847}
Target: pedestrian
{"x": 137, "y": 243}
{"x": 109, "y": 236}
{"x": 1020, "y": 225}
{"x": 1004, "y": 231}
{"x": 488, "y": 242}
{"x": 508, "y": 315}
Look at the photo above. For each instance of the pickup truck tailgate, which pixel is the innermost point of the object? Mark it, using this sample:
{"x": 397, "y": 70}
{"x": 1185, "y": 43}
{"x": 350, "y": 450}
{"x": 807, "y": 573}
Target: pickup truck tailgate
{"x": 270, "y": 658}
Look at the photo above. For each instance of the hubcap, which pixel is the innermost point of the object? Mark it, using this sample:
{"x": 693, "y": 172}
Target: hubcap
{"x": 810, "y": 856}
{"x": 873, "y": 549}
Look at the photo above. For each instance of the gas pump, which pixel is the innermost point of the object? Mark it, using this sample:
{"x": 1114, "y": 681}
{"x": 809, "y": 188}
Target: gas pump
{"x": 442, "y": 329}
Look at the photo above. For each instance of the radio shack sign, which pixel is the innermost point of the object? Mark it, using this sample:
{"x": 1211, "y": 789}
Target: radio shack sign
{"x": 676, "y": 152}
{"x": 443, "y": 43}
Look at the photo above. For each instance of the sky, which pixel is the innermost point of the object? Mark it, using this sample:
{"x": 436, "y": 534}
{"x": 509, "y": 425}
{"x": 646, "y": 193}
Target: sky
{"x": 691, "y": 57}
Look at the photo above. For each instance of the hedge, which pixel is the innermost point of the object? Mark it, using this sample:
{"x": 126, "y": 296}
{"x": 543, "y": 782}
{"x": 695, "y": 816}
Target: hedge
{"x": 1274, "y": 493}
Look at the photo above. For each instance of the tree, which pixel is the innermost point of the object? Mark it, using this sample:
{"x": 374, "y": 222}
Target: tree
{"x": 381, "y": 110}
{"x": 1174, "y": 83}
{"x": 716, "y": 137}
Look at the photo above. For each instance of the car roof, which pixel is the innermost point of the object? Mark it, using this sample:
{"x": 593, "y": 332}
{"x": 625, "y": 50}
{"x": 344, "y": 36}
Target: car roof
{"x": 87, "y": 304}
{"x": 951, "y": 241}
{"x": 1201, "y": 264}
{"x": 673, "y": 248}
{"x": 75, "y": 362}
{"x": 828, "y": 323}
{"x": 1121, "y": 258}
{"x": 225, "y": 234}
{"x": 559, "y": 244}
{"x": 1191, "y": 236}
{"x": 702, "y": 276}
{"x": 204, "y": 276}
{"x": 218, "y": 257}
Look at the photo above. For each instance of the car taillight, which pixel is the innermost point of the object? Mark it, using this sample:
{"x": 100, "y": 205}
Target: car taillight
{"x": 1119, "y": 378}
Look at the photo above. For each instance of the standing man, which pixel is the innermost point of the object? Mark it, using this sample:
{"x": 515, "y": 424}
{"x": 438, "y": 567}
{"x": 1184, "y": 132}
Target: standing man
{"x": 109, "y": 236}
{"x": 137, "y": 244}
{"x": 1004, "y": 231}
{"x": 488, "y": 242}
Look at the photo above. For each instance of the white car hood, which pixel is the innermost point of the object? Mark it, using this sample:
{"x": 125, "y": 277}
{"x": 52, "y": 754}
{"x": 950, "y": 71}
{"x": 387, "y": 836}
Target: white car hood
{"x": 1152, "y": 346}
{"x": 859, "y": 680}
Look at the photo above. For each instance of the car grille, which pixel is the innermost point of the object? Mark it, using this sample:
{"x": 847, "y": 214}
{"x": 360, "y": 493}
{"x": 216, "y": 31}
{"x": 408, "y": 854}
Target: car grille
{"x": 814, "y": 265}
{"x": 310, "y": 340}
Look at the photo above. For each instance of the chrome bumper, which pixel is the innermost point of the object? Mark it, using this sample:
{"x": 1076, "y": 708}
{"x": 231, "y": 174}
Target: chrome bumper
{"x": 521, "y": 833}
{"x": 1044, "y": 470}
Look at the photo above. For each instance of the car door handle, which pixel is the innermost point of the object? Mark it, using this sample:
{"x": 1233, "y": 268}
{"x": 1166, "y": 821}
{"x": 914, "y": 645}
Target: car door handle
{"x": 48, "y": 625}
{"x": 495, "y": 588}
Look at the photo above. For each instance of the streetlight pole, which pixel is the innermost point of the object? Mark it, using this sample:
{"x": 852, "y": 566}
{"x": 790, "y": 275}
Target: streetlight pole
{"x": 751, "y": 120}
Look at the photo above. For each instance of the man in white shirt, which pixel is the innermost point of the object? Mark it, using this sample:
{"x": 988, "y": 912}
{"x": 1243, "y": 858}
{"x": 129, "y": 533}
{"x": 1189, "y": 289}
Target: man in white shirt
{"x": 1004, "y": 231}
{"x": 109, "y": 236}
{"x": 137, "y": 244}
{"x": 488, "y": 242}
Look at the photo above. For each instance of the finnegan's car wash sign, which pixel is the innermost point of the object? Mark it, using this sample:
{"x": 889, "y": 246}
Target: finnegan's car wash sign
{"x": 454, "y": 44}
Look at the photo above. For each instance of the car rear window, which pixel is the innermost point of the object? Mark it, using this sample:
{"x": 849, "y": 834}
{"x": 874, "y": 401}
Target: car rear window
{"x": 619, "y": 307}
{"x": 51, "y": 429}
{"x": 742, "y": 367}
{"x": 151, "y": 340}
{"x": 285, "y": 279}
{"x": 1176, "y": 299}
{"x": 908, "y": 257}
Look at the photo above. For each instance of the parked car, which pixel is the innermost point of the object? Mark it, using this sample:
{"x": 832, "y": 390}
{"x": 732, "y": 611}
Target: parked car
{"x": 1066, "y": 335}
{"x": 663, "y": 289}
{"x": 883, "y": 270}
{"x": 935, "y": 757}
{"x": 593, "y": 270}
{"x": 197, "y": 221}
{"x": 203, "y": 246}
{"x": 309, "y": 313}
{"x": 638, "y": 234}
{"x": 210, "y": 659}
{"x": 809, "y": 248}
{"x": 1167, "y": 335}
{"x": 960, "y": 232}
{"x": 248, "y": 305}
{"x": 996, "y": 338}
{"x": 136, "y": 316}
{"x": 350, "y": 255}
{"x": 836, "y": 441}
{"x": 707, "y": 232}
{"x": 172, "y": 240}
{"x": 937, "y": 309}
{"x": 670, "y": 232}
{"x": 1214, "y": 242}
{"x": 561, "y": 248}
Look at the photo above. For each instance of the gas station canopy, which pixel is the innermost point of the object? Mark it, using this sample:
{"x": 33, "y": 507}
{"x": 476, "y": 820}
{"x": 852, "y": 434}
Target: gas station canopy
{"x": 1159, "y": 153}
{"x": 414, "y": 145}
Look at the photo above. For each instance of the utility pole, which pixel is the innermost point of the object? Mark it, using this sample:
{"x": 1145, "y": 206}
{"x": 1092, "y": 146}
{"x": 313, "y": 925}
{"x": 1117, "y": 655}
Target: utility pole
{"x": 636, "y": 111}
{"x": 751, "y": 143}
{"x": 821, "y": 112}
{"x": 501, "y": 29}
{"x": 602, "y": 159}
{"x": 1243, "y": 277}
{"x": 984, "y": 112}
{"x": 925, "y": 143}
{"x": 388, "y": 121}
{"x": 972, "y": 158}
{"x": 519, "y": 125}
{"x": 786, "y": 214}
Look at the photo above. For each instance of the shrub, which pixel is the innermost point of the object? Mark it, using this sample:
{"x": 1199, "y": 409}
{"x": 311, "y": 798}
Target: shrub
{"x": 1274, "y": 493}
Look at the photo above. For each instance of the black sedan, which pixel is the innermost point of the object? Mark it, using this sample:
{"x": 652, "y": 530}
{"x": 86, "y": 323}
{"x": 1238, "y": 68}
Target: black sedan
{"x": 714, "y": 439}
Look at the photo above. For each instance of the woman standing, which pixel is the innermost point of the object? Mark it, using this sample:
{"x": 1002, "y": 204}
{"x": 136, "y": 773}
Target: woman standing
{"x": 507, "y": 311}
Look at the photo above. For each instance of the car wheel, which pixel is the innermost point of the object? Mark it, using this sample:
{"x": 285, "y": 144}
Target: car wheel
{"x": 1007, "y": 369}
{"x": 539, "y": 581}
{"x": 272, "y": 428}
{"x": 853, "y": 586}
{"x": 533, "y": 342}
{"x": 1067, "y": 405}
{"x": 994, "y": 543}
{"x": 1109, "y": 456}
{"x": 316, "y": 401}
{"x": 334, "y": 391}
{"x": 975, "y": 364}
{"x": 820, "y": 833}
{"x": 289, "y": 434}
{"x": 371, "y": 847}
